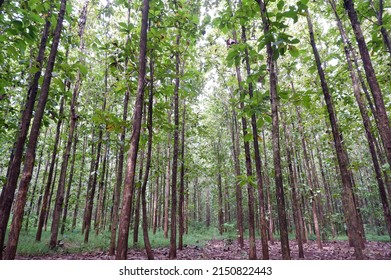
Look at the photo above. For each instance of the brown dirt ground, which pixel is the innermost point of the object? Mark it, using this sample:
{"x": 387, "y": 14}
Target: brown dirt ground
{"x": 228, "y": 250}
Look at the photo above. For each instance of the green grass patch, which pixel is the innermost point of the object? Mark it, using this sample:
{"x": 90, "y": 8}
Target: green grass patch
{"x": 73, "y": 242}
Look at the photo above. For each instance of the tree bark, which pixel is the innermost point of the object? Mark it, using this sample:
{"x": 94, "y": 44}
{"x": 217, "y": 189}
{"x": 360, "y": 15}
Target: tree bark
{"x": 257, "y": 159}
{"x": 289, "y": 146}
{"x": 147, "y": 243}
{"x": 182, "y": 181}
{"x": 383, "y": 123}
{"x": 61, "y": 185}
{"x": 275, "y": 138}
{"x": 366, "y": 121}
{"x": 8, "y": 191}
{"x": 76, "y": 209}
{"x": 172, "y": 253}
{"x": 342, "y": 156}
{"x": 31, "y": 147}
{"x": 122, "y": 244}
{"x": 35, "y": 184}
{"x": 69, "y": 186}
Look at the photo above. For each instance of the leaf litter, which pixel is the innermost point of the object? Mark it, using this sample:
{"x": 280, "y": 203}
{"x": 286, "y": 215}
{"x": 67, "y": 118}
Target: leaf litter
{"x": 227, "y": 249}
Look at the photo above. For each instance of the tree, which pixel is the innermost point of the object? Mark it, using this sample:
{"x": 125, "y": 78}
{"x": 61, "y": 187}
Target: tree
{"x": 33, "y": 138}
{"x": 122, "y": 245}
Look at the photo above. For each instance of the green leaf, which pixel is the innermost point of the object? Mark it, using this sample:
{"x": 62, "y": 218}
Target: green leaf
{"x": 82, "y": 69}
{"x": 248, "y": 137}
{"x": 280, "y": 4}
{"x": 295, "y": 41}
{"x": 293, "y": 51}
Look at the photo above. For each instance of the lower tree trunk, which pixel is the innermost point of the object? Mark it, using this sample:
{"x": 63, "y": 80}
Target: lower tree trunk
{"x": 275, "y": 139}
{"x": 181, "y": 209}
{"x": 293, "y": 182}
{"x": 172, "y": 253}
{"x": 33, "y": 138}
{"x": 68, "y": 192}
{"x": 122, "y": 244}
{"x": 76, "y": 209}
{"x": 13, "y": 172}
{"x": 45, "y": 200}
{"x": 342, "y": 156}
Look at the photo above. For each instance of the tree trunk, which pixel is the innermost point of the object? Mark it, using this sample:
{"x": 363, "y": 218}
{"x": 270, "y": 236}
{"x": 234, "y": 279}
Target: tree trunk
{"x": 118, "y": 184}
{"x": 70, "y": 181}
{"x": 136, "y": 223}
{"x": 8, "y": 191}
{"x": 182, "y": 181}
{"x": 102, "y": 190}
{"x": 76, "y": 210}
{"x": 219, "y": 188}
{"x": 386, "y": 38}
{"x": 383, "y": 123}
{"x": 289, "y": 146}
{"x": 31, "y": 147}
{"x": 250, "y": 190}
{"x": 31, "y": 205}
{"x": 366, "y": 121}
{"x": 92, "y": 180}
{"x": 275, "y": 139}
{"x": 238, "y": 189}
{"x": 310, "y": 179}
{"x": 122, "y": 244}
{"x": 269, "y": 202}
{"x": 167, "y": 187}
{"x": 342, "y": 156}
{"x": 172, "y": 253}
{"x": 61, "y": 185}
{"x": 147, "y": 244}
{"x": 257, "y": 159}
{"x": 156, "y": 194}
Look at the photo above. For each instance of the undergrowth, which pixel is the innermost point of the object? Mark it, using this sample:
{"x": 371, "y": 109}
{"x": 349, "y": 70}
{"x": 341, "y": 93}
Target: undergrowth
{"x": 73, "y": 242}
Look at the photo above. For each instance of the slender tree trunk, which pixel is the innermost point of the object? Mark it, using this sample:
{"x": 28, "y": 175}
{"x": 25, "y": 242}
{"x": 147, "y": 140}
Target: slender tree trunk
{"x": 117, "y": 188}
{"x": 269, "y": 202}
{"x": 383, "y": 123}
{"x": 102, "y": 190}
{"x": 366, "y": 121}
{"x": 342, "y": 156}
{"x": 258, "y": 163}
{"x": 238, "y": 189}
{"x": 167, "y": 190}
{"x": 45, "y": 174}
{"x": 207, "y": 208}
{"x": 182, "y": 181}
{"x": 250, "y": 190}
{"x": 61, "y": 185}
{"x": 219, "y": 188}
{"x": 118, "y": 184}
{"x": 310, "y": 179}
{"x": 8, "y": 191}
{"x": 31, "y": 147}
{"x": 122, "y": 244}
{"x": 147, "y": 243}
{"x": 172, "y": 253}
{"x": 136, "y": 223}
{"x": 92, "y": 185}
{"x": 386, "y": 38}
{"x": 70, "y": 181}
{"x": 293, "y": 182}
{"x": 76, "y": 210}
{"x": 156, "y": 194}
{"x": 275, "y": 139}
{"x": 45, "y": 201}
{"x": 31, "y": 205}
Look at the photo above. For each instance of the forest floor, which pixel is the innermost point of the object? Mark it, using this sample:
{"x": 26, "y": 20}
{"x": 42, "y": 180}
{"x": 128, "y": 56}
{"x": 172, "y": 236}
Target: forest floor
{"x": 229, "y": 250}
